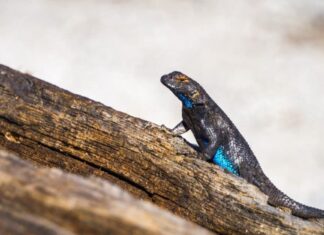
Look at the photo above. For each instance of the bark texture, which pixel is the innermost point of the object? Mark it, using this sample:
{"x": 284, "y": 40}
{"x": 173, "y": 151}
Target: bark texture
{"x": 47, "y": 201}
{"x": 53, "y": 127}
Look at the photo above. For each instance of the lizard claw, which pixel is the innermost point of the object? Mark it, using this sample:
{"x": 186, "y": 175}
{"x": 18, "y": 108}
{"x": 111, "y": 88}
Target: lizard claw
{"x": 165, "y": 129}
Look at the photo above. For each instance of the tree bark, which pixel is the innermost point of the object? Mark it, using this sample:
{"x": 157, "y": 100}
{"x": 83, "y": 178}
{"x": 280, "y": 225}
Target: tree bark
{"x": 54, "y": 127}
{"x": 48, "y": 201}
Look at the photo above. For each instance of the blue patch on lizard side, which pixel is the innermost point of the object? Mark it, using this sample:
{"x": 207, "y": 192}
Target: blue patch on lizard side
{"x": 222, "y": 160}
{"x": 186, "y": 101}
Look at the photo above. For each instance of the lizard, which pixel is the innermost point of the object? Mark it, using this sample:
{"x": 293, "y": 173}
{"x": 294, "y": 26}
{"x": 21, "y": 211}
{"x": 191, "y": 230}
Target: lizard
{"x": 220, "y": 142}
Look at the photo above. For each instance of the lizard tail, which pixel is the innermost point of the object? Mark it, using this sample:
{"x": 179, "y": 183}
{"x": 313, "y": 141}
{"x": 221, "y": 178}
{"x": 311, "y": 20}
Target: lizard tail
{"x": 279, "y": 199}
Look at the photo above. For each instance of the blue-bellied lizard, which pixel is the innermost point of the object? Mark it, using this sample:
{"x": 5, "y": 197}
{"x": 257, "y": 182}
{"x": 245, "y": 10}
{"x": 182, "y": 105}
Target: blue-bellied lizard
{"x": 220, "y": 142}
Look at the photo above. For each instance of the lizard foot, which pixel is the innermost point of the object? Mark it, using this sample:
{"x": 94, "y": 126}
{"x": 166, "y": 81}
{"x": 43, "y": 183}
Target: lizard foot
{"x": 165, "y": 129}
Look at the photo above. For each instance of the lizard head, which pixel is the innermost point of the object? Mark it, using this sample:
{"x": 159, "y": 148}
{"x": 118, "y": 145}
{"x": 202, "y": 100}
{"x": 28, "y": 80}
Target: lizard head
{"x": 185, "y": 88}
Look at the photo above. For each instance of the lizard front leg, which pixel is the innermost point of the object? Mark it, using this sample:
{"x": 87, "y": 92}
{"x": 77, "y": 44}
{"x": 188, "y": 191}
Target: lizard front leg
{"x": 180, "y": 128}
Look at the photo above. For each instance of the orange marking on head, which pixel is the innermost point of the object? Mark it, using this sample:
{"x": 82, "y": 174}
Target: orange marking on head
{"x": 183, "y": 78}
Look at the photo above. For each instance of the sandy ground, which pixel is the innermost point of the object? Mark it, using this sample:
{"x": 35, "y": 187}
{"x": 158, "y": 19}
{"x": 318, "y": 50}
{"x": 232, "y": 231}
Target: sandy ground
{"x": 261, "y": 61}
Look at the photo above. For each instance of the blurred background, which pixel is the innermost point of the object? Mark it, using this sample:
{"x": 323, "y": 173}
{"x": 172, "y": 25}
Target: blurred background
{"x": 261, "y": 61}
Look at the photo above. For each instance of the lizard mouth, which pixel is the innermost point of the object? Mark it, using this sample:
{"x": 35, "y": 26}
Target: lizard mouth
{"x": 164, "y": 79}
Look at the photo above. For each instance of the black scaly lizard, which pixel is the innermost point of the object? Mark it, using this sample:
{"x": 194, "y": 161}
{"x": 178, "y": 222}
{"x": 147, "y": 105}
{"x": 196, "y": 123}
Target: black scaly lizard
{"x": 220, "y": 142}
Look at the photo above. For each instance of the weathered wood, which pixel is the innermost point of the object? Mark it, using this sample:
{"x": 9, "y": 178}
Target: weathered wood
{"x": 86, "y": 137}
{"x": 13, "y": 223}
{"x": 48, "y": 201}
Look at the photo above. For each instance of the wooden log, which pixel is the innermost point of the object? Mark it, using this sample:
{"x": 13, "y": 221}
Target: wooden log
{"x": 54, "y": 127}
{"x": 48, "y": 201}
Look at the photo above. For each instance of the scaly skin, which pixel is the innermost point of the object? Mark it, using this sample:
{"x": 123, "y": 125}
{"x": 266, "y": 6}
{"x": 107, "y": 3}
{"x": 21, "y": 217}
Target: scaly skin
{"x": 220, "y": 142}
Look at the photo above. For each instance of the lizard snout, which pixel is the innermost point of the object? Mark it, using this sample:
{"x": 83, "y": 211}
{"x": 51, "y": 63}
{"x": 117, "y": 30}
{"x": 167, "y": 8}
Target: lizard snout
{"x": 164, "y": 79}
{"x": 167, "y": 79}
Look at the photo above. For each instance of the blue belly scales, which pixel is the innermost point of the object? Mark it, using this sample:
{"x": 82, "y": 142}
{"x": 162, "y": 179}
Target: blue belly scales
{"x": 221, "y": 159}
